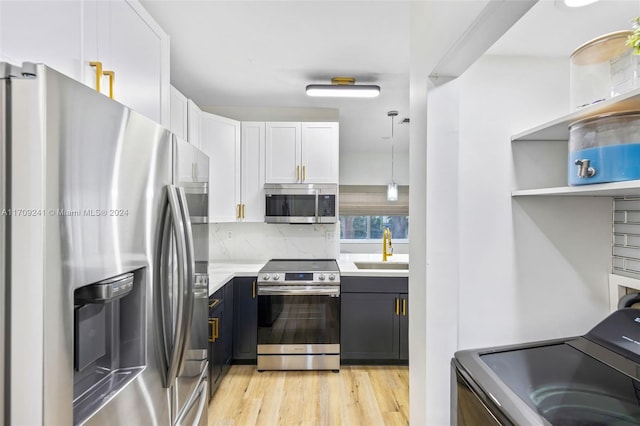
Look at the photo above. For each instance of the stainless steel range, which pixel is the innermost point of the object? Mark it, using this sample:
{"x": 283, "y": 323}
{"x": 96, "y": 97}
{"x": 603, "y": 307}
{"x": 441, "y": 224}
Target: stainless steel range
{"x": 299, "y": 315}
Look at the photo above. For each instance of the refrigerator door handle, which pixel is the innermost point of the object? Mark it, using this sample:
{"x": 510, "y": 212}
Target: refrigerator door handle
{"x": 201, "y": 393}
{"x": 165, "y": 325}
{"x": 175, "y": 353}
{"x": 202, "y": 402}
{"x": 189, "y": 267}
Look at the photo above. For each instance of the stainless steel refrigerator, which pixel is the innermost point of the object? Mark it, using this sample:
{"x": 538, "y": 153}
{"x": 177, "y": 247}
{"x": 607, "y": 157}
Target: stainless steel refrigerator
{"x": 103, "y": 260}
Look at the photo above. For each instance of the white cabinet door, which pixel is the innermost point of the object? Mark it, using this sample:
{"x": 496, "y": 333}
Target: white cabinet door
{"x": 253, "y": 164}
{"x": 178, "y": 113}
{"x": 67, "y": 35}
{"x": 43, "y": 31}
{"x": 186, "y": 168}
{"x": 194, "y": 123}
{"x": 283, "y": 144}
{"x": 320, "y": 152}
{"x": 221, "y": 142}
{"x": 137, "y": 50}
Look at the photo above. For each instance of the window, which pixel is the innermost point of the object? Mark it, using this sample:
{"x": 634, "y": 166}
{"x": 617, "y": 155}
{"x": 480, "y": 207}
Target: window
{"x": 371, "y": 227}
{"x": 365, "y": 213}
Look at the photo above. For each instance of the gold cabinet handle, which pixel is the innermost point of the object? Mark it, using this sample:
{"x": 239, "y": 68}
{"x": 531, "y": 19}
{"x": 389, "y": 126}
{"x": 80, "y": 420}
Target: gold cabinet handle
{"x": 254, "y": 290}
{"x": 98, "y": 66}
{"x": 213, "y": 322}
{"x": 297, "y": 173}
{"x": 397, "y": 306}
{"x": 242, "y": 210}
{"x": 238, "y": 211}
{"x": 214, "y": 303}
{"x": 404, "y": 307}
{"x": 304, "y": 173}
{"x": 112, "y": 78}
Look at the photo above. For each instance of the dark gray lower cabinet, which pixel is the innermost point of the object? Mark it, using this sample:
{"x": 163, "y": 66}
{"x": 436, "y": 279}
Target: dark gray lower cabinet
{"x": 374, "y": 319}
{"x": 245, "y": 331}
{"x": 233, "y": 328}
{"x": 220, "y": 335}
{"x": 404, "y": 327}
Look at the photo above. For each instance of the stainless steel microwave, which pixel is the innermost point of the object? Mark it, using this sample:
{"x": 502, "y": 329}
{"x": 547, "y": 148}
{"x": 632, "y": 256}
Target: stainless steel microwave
{"x": 300, "y": 203}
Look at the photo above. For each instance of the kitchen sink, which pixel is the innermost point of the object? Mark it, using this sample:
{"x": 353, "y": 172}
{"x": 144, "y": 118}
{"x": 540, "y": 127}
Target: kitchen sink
{"x": 382, "y": 265}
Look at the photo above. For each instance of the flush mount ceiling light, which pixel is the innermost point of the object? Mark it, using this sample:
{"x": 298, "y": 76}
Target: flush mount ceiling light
{"x": 344, "y": 87}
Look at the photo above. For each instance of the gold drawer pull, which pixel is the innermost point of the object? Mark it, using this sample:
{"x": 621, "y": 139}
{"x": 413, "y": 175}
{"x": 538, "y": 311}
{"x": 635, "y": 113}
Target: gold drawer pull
{"x": 98, "y": 66}
{"x": 112, "y": 78}
{"x": 404, "y": 307}
{"x": 213, "y": 322}
{"x": 397, "y": 306}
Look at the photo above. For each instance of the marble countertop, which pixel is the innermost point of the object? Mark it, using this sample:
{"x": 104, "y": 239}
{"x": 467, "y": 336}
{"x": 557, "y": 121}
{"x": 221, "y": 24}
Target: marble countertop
{"x": 221, "y": 273}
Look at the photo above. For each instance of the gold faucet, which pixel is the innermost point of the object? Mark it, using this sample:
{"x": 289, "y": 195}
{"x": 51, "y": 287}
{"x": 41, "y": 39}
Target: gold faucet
{"x": 387, "y": 249}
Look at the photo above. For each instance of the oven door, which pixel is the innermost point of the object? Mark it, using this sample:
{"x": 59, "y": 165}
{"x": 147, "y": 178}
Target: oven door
{"x": 298, "y": 319}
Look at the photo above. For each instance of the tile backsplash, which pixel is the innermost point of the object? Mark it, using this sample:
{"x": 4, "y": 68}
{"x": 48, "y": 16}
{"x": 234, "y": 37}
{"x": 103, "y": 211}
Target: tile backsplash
{"x": 262, "y": 241}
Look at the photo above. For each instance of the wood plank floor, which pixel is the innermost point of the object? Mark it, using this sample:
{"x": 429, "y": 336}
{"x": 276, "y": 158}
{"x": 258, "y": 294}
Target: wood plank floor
{"x": 357, "y": 395}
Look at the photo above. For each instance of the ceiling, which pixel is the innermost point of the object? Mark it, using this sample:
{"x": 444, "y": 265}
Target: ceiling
{"x": 552, "y": 29}
{"x": 264, "y": 53}
{"x": 239, "y": 54}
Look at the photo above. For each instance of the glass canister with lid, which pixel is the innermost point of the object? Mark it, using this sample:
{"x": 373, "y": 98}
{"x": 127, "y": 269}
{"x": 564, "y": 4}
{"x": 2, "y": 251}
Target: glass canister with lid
{"x": 602, "y": 68}
{"x": 605, "y": 148}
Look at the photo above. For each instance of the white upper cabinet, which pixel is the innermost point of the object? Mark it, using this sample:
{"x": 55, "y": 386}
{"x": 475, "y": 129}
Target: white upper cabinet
{"x": 179, "y": 119}
{"x": 132, "y": 50}
{"x": 185, "y": 123}
{"x": 220, "y": 141}
{"x": 283, "y": 144}
{"x": 236, "y": 168}
{"x": 194, "y": 123}
{"x": 302, "y": 152}
{"x": 134, "y": 47}
{"x": 320, "y": 152}
{"x": 252, "y": 172}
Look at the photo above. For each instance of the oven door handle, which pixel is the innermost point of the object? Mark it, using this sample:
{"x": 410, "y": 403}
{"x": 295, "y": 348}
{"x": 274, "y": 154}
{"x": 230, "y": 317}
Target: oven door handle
{"x": 298, "y": 291}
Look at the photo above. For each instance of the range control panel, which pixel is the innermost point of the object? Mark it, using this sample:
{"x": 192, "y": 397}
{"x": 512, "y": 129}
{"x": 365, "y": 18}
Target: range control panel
{"x": 299, "y": 278}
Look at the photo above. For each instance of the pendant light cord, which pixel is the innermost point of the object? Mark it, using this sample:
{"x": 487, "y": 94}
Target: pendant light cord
{"x": 392, "y": 140}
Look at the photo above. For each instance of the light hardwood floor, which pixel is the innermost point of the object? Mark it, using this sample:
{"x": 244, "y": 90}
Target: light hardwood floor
{"x": 357, "y": 395}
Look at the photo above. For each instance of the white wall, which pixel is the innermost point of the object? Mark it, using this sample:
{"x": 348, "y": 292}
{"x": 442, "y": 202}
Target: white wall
{"x": 503, "y": 270}
{"x": 373, "y": 167}
{"x": 275, "y": 113}
{"x": 263, "y": 241}
{"x": 442, "y": 217}
{"x": 529, "y": 268}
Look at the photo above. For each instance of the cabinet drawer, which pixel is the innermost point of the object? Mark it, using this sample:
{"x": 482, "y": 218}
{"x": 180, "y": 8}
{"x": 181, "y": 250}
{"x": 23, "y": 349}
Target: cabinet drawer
{"x": 374, "y": 285}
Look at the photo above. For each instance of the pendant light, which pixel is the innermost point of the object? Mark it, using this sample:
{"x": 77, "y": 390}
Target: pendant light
{"x": 392, "y": 187}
